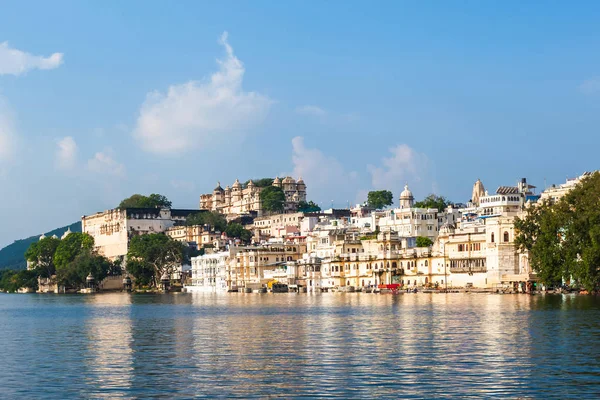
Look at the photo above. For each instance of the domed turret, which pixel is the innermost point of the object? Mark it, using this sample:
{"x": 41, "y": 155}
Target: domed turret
{"x": 42, "y": 237}
{"x": 218, "y": 188}
{"x": 300, "y": 183}
{"x": 478, "y": 192}
{"x": 236, "y": 184}
{"x": 54, "y": 237}
{"x": 289, "y": 179}
{"x": 277, "y": 182}
{"x": 406, "y": 198}
{"x": 67, "y": 233}
{"x": 251, "y": 184}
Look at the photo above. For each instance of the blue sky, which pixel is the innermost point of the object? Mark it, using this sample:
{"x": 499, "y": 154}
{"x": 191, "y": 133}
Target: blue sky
{"x": 102, "y": 100}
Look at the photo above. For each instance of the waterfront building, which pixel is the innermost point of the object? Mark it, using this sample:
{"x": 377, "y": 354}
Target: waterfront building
{"x": 211, "y": 272}
{"x": 245, "y": 199}
{"x": 112, "y": 229}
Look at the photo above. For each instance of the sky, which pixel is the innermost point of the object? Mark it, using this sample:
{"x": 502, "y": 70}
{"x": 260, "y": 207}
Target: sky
{"x": 100, "y": 100}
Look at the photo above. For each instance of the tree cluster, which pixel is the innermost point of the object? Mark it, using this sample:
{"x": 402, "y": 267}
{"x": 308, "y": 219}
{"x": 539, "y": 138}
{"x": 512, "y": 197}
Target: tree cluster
{"x": 307, "y": 207}
{"x": 379, "y": 199}
{"x": 69, "y": 261}
{"x": 153, "y": 255}
{"x": 141, "y": 201}
{"x": 563, "y": 238}
{"x": 261, "y": 183}
{"x": 11, "y": 281}
{"x": 433, "y": 201}
{"x": 214, "y": 219}
{"x": 272, "y": 199}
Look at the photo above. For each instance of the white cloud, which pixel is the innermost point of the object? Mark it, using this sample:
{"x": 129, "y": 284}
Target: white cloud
{"x": 404, "y": 166}
{"x": 66, "y": 153}
{"x": 104, "y": 163}
{"x": 325, "y": 176}
{"x": 7, "y": 132}
{"x": 17, "y": 62}
{"x": 310, "y": 110}
{"x": 196, "y": 114}
{"x": 590, "y": 86}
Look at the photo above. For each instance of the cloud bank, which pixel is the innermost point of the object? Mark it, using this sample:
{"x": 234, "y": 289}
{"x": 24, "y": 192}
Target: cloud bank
{"x": 405, "y": 165}
{"x": 17, "y": 62}
{"x": 196, "y": 114}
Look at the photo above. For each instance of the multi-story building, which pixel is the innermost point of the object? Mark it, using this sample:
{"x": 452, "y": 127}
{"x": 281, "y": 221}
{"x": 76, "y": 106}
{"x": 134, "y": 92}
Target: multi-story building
{"x": 244, "y": 199}
{"x": 211, "y": 272}
{"x": 113, "y": 229}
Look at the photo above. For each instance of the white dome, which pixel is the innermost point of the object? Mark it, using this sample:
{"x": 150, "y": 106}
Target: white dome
{"x": 406, "y": 193}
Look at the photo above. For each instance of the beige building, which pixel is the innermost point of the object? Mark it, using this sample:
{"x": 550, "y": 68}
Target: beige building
{"x": 112, "y": 229}
{"x": 243, "y": 199}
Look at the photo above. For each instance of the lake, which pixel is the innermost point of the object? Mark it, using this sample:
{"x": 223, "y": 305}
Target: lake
{"x": 352, "y": 345}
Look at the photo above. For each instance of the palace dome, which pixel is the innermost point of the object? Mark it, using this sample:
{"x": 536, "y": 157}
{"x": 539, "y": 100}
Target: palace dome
{"x": 236, "y": 184}
{"x": 406, "y": 193}
{"x": 289, "y": 179}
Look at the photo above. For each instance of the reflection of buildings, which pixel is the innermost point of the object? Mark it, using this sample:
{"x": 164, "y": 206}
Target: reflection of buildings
{"x": 110, "y": 362}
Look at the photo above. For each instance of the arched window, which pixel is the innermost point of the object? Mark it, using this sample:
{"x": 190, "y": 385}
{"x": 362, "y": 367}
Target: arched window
{"x": 426, "y": 263}
{"x": 505, "y": 237}
{"x": 394, "y": 265}
{"x": 492, "y": 239}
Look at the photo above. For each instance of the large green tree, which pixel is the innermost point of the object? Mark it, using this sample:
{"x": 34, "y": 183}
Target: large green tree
{"x": 433, "y": 201}
{"x": 262, "y": 182}
{"x": 272, "y": 199}
{"x": 41, "y": 256}
{"x": 563, "y": 238}
{"x": 70, "y": 247}
{"x": 140, "y": 201}
{"x": 310, "y": 206}
{"x": 235, "y": 230}
{"x": 379, "y": 199}
{"x": 74, "y": 274}
{"x": 157, "y": 251}
{"x": 214, "y": 219}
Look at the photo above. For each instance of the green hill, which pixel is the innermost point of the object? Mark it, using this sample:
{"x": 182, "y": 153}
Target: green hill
{"x": 12, "y": 256}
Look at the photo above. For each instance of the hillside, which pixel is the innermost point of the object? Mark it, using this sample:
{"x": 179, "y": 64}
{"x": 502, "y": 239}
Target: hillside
{"x": 12, "y": 256}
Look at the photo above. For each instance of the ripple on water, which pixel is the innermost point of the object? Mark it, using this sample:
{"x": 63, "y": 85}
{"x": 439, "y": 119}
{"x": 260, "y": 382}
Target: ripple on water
{"x": 288, "y": 345}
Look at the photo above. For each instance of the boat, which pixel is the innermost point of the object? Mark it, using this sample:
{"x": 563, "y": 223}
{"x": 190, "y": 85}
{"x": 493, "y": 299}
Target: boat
{"x": 279, "y": 288}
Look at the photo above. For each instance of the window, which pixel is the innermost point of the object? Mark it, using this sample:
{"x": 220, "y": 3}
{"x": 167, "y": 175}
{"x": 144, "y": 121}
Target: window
{"x": 492, "y": 238}
{"x": 505, "y": 237}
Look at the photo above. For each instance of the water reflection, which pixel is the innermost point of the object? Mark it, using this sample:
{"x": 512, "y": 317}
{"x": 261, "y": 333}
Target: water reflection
{"x": 286, "y": 345}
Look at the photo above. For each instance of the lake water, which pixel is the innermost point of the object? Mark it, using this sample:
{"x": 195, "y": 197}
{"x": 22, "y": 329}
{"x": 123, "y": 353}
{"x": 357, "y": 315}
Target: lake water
{"x": 297, "y": 345}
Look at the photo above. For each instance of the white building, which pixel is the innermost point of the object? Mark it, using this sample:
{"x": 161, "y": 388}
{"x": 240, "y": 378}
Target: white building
{"x": 211, "y": 272}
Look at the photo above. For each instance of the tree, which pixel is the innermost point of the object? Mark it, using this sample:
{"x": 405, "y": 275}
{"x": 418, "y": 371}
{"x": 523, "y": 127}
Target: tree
{"x": 311, "y": 206}
{"x": 379, "y": 199}
{"x": 272, "y": 199}
{"x": 41, "y": 256}
{"x": 433, "y": 201}
{"x": 214, "y": 219}
{"x": 70, "y": 247}
{"x": 158, "y": 251}
{"x": 261, "y": 183}
{"x": 563, "y": 238}
{"x": 75, "y": 273}
{"x": 424, "y": 241}
{"x": 141, "y": 271}
{"x": 235, "y": 230}
{"x": 141, "y": 201}
{"x": 11, "y": 281}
